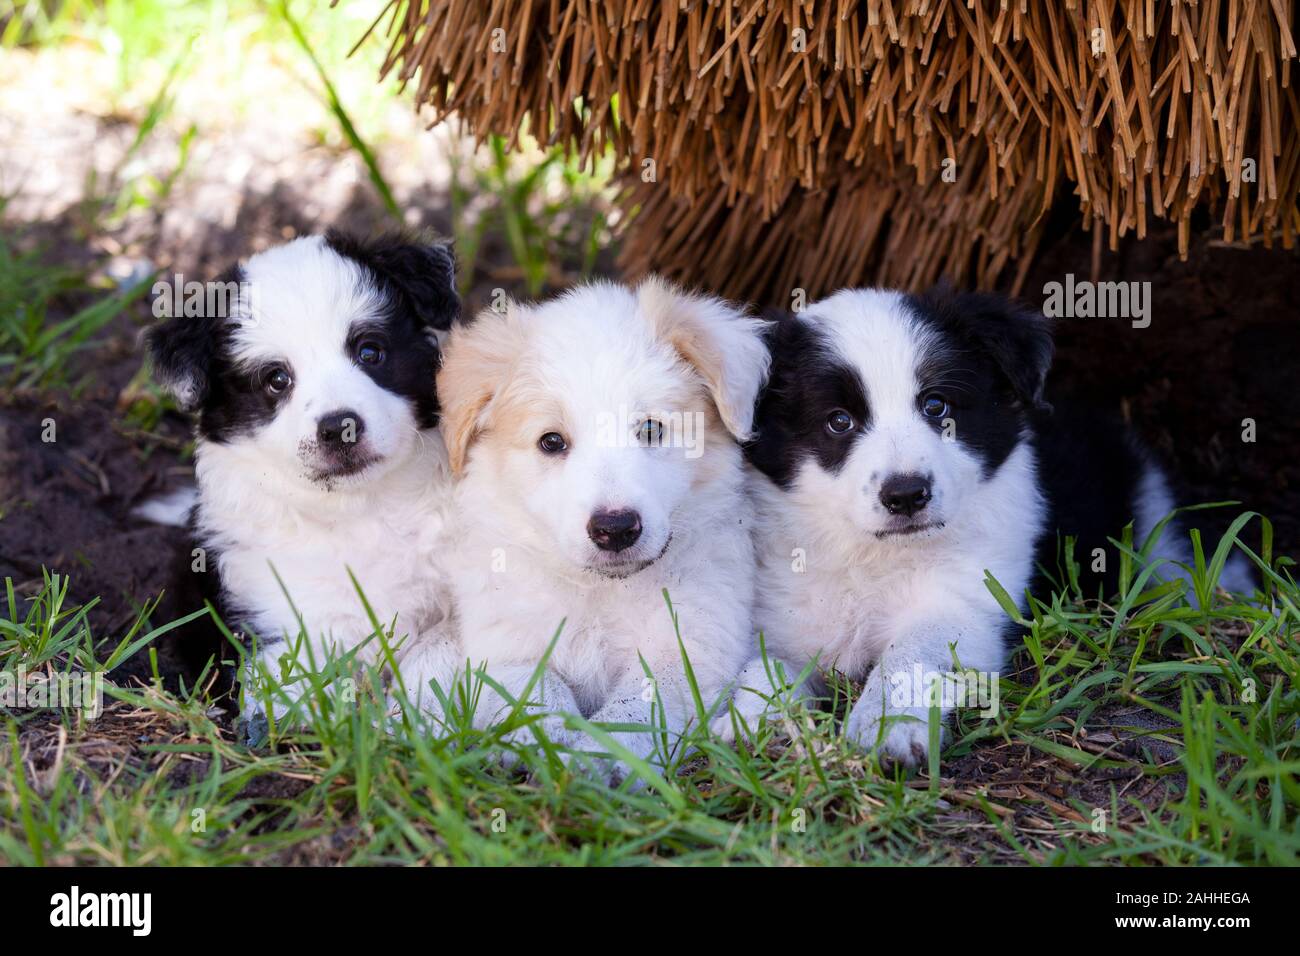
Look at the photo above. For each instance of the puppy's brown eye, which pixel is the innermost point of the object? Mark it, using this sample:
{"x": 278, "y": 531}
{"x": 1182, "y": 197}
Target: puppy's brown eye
{"x": 552, "y": 443}
{"x": 278, "y": 381}
{"x": 370, "y": 353}
{"x": 839, "y": 421}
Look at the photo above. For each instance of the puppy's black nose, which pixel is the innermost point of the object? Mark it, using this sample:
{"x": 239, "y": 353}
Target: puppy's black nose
{"x": 614, "y": 530}
{"x": 340, "y": 428}
{"x": 905, "y": 494}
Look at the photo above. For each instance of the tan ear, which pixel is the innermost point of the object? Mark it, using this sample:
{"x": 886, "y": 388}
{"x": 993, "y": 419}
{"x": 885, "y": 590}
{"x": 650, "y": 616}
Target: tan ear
{"x": 719, "y": 340}
{"x": 478, "y": 360}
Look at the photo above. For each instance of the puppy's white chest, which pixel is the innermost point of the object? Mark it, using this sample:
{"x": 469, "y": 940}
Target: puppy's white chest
{"x": 321, "y": 571}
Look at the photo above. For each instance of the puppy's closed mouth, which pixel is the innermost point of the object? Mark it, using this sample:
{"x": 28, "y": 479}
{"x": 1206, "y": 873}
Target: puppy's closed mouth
{"x": 629, "y": 568}
{"x": 345, "y": 467}
{"x": 909, "y": 530}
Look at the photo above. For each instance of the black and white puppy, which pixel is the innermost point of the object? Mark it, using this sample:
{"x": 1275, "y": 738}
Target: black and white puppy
{"x": 905, "y": 449}
{"x": 318, "y": 449}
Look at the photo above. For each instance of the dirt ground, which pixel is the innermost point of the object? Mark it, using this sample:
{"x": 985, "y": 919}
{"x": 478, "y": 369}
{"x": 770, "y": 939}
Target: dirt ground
{"x": 1223, "y": 346}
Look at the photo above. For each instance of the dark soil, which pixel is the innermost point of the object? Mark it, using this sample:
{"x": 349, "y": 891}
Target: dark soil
{"x": 1223, "y": 346}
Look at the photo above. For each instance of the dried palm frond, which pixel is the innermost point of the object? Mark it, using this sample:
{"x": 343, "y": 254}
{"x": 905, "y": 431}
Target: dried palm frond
{"x": 771, "y": 144}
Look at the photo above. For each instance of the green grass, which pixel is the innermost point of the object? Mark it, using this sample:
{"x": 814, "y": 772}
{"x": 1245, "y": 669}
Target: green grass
{"x": 549, "y": 208}
{"x": 1209, "y": 698}
{"x": 340, "y": 113}
{"x": 43, "y": 324}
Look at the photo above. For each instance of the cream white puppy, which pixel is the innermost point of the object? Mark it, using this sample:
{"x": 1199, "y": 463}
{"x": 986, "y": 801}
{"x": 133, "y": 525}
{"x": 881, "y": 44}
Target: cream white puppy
{"x": 595, "y": 437}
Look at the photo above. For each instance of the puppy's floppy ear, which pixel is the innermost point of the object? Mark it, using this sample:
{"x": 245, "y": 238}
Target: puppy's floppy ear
{"x": 719, "y": 340}
{"x": 422, "y": 272}
{"x": 183, "y": 350}
{"x": 1018, "y": 339}
{"x": 478, "y": 360}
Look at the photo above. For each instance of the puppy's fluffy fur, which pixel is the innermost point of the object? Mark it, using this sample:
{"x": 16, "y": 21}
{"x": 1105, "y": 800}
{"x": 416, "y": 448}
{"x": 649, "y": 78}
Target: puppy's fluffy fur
{"x": 605, "y": 402}
{"x": 318, "y": 449}
{"x": 904, "y": 450}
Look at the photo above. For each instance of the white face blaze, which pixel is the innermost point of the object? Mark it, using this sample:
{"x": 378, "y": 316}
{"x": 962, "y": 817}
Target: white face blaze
{"x": 874, "y": 334}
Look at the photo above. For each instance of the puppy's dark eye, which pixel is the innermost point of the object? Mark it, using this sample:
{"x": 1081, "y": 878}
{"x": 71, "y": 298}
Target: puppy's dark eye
{"x": 370, "y": 353}
{"x": 552, "y": 443}
{"x": 277, "y": 381}
{"x": 839, "y": 422}
{"x": 934, "y": 405}
{"x": 650, "y": 432}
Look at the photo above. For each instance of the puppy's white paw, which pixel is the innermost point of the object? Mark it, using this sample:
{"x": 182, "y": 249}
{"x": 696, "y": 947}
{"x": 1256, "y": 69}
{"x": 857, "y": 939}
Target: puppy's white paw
{"x": 430, "y": 660}
{"x": 588, "y": 759}
{"x": 589, "y": 754}
{"x": 750, "y": 710}
{"x": 901, "y": 733}
{"x": 550, "y": 726}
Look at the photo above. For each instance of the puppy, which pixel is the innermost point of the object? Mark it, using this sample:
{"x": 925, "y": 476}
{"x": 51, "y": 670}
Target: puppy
{"x": 595, "y": 437}
{"x": 318, "y": 452}
{"x": 904, "y": 450}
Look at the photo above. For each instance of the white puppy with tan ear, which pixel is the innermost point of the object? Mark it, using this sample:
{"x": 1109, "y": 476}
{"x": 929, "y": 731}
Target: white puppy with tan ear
{"x": 595, "y": 436}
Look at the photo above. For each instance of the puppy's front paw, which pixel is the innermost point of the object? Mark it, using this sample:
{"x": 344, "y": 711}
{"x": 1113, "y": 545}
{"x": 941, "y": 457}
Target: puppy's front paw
{"x": 550, "y": 726}
{"x": 253, "y": 728}
{"x": 901, "y": 733}
{"x": 588, "y": 755}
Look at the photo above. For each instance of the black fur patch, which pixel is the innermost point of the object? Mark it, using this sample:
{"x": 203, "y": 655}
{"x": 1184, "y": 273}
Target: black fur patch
{"x": 185, "y": 348}
{"x": 420, "y": 277}
{"x": 190, "y": 355}
{"x": 1018, "y": 341}
{"x": 418, "y": 282}
{"x": 808, "y": 382}
{"x": 1089, "y": 469}
{"x": 990, "y": 368}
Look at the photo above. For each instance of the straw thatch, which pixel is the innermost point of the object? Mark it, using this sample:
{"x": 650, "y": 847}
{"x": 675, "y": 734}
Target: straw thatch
{"x": 805, "y": 144}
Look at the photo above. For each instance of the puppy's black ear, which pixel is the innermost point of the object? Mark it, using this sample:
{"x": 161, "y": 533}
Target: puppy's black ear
{"x": 1016, "y": 338}
{"x": 183, "y": 349}
{"x": 786, "y": 333}
{"x": 776, "y": 420}
{"x": 423, "y": 273}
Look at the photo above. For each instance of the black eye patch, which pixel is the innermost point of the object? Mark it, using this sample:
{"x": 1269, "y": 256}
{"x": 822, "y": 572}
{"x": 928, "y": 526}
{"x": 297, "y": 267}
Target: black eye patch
{"x": 808, "y": 384}
{"x": 984, "y": 416}
{"x": 409, "y": 362}
{"x": 242, "y": 399}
